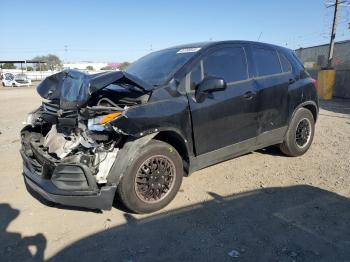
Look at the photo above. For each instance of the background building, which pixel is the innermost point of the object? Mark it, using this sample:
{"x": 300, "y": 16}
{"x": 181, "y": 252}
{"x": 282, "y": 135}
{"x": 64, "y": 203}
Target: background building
{"x": 315, "y": 58}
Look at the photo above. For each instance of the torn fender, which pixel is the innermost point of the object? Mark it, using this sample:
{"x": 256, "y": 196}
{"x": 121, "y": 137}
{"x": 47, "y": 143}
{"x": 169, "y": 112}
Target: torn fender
{"x": 72, "y": 89}
{"x": 156, "y": 116}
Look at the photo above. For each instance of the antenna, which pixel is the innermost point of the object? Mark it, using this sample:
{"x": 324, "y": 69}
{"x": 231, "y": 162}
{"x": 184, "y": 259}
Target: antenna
{"x": 66, "y": 51}
{"x": 259, "y": 36}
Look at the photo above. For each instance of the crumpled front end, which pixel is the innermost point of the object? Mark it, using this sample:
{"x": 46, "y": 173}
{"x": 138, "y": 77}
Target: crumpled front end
{"x": 68, "y": 152}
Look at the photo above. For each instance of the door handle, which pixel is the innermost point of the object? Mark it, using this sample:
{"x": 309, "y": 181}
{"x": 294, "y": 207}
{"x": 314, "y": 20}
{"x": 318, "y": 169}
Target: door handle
{"x": 291, "y": 81}
{"x": 249, "y": 95}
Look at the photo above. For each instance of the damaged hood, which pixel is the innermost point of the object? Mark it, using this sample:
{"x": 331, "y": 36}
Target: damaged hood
{"x": 72, "y": 89}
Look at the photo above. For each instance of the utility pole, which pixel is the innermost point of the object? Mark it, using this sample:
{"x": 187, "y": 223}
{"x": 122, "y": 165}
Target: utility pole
{"x": 334, "y": 28}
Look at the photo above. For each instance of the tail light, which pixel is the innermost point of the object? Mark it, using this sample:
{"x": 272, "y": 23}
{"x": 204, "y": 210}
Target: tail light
{"x": 315, "y": 83}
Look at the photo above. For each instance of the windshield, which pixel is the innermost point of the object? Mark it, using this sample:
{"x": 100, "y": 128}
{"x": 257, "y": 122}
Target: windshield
{"x": 9, "y": 76}
{"x": 158, "y": 67}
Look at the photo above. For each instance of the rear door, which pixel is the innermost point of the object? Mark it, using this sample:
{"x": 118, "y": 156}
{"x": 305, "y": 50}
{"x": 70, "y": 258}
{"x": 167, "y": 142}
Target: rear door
{"x": 273, "y": 75}
{"x": 224, "y": 117}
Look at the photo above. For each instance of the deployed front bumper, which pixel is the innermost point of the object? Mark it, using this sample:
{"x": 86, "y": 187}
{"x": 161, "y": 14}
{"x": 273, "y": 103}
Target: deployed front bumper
{"x": 66, "y": 184}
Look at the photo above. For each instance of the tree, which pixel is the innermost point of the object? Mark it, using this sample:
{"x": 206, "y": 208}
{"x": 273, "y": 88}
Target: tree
{"x": 8, "y": 66}
{"x": 29, "y": 68}
{"x": 123, "y": 65}
{"x": 41, "y": 67}
{"x": 106, "y": 68}
{"x": 53, "y": 62}
{"x": 90, "y": 68}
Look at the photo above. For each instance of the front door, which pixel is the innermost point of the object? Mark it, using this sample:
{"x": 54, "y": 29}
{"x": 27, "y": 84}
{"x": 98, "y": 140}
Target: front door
{"x": 226, "y": 117}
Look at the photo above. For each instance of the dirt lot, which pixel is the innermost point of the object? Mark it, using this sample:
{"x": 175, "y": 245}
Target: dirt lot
{"x": 259, "y": 207}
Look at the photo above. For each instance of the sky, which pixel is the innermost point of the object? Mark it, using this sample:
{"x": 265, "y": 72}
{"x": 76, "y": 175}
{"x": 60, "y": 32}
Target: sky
{"x": 116, "y": 31}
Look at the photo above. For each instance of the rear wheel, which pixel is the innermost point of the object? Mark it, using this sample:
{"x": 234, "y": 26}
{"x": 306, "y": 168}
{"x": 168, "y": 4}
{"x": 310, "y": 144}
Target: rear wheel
{"x": 300, "y": 133}
{"x": 152, "y": 179}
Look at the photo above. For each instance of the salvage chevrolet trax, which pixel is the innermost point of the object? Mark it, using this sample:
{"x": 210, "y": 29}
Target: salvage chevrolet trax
{"x": 135, "y": 134}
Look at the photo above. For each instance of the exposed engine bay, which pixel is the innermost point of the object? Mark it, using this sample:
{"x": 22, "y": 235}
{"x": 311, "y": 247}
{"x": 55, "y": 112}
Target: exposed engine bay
{"x": 76, "y": 128}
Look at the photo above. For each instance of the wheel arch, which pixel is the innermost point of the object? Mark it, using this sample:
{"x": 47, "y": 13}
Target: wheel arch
{"x": 176, "y": 140}
{"x": 132, "y": 146}
{"x": 310, "y": 105}
{"x": 288, "y": 146}
{"x": 313, "y": 108}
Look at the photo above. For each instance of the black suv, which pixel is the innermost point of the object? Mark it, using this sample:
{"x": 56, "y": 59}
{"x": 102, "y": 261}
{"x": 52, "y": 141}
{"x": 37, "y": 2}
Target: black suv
{"x": 174, "y": 111}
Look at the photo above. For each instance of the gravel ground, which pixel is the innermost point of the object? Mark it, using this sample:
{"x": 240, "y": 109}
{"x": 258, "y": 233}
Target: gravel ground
{"x": 259, "y": 207}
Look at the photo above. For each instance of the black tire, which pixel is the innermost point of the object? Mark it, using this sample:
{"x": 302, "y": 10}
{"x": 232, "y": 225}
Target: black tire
{"x": 297, "y": 145}
{"x": 128, "y": 190}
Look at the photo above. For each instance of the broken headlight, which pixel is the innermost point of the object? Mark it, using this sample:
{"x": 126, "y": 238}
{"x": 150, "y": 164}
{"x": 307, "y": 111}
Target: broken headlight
{"x": 32, "y": 117}
{"x": 98, "y": 123}
{"x": 29, "y": 119}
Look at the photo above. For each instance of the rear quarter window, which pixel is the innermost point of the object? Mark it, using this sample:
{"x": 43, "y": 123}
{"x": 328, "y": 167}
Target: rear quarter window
{"x": 266, "y": 61}
{"x": 286, "y": 65}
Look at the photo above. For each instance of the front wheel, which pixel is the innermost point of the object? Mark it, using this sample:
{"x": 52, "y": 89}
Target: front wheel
{"x": 300, "y": 133}
{"x": 152, "y": 179}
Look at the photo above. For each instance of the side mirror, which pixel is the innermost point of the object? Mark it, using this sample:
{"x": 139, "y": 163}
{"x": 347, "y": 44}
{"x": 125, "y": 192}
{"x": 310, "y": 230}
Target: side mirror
{"x": 209, "y": 85}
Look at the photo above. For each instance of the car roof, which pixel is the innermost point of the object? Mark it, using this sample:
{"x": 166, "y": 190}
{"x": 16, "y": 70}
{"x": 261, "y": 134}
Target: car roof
{"x": 209, "y": 44}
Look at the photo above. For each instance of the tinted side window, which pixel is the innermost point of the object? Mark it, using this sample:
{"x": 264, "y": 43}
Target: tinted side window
{"x": 266, "y": 61}
{"x": 286, "y": 65}
{"x": 228, "y": 63}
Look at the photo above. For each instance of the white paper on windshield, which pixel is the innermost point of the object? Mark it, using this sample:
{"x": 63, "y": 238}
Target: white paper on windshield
{"x": 188, "y": 50}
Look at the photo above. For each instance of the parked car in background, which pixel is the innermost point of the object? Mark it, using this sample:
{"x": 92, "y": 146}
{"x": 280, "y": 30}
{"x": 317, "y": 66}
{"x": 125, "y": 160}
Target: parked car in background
{"x": 10, "y": 79}
{"x": 138, "y": 132}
